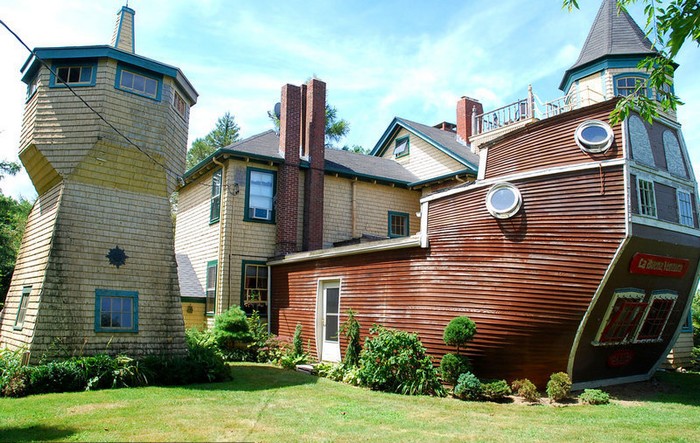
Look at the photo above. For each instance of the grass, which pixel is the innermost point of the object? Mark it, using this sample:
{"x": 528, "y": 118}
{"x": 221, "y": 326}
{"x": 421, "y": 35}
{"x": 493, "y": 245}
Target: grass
{"x": 264, "y": 403}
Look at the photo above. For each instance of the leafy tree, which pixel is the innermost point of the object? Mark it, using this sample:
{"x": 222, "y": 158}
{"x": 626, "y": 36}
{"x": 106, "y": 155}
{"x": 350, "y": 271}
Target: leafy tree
{"x": 7, "y": 167}
{"x": 225, "y": 133}
{"x": 13, "y": 219}
{"x": 675, "y": 22}
{"x": 357, "y": 149}
{"x": 336, "y": 129}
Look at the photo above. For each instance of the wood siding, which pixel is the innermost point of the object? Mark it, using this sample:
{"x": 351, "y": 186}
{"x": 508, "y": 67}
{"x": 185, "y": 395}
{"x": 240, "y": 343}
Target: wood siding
{"x": 526, "y": 282}
{"x": 549, "y": 143}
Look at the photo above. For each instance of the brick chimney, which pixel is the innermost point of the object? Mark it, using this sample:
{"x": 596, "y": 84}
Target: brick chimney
{"x": 123, "y": 37}
{"x": 465, "y": 109}
{"x": 314, "y": 147}
{"x": 288, "y": 174}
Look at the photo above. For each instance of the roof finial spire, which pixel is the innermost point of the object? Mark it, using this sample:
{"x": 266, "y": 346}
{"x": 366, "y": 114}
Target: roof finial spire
{"x": 123, "y": 37}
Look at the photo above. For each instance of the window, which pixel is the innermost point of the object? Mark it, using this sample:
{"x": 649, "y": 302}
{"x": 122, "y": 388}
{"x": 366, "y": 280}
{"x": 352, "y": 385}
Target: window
{"x": 627, "y": 85}
{"x": 398, "y": 224}
{"x": 401, "y": 147}
{"x": 594, "y": 136}
{"x": 215, "y": 203}
{"x": 623, "y": 317}
{"x": 254, "y": 297}
{"x": 647, "y": 200}
{"x": 138, "y": 83}
{"x": 657, "y": 314}
{"x": 674, "y": 158}
{"x": 685, "y": 209}
{"x": 22, "y": 308}
{"x": 639, "y": 139}
{"x": 32, "y": 86}
{"x": 688, "y": 323}
{"x": 180, "y": 105}
{"x": 260, "y": 186}
{"x": 74, "y": 75}
{"x": 503, "y": 200}
{"x": 211, "y": 286}
{"x": 116, "y": 311}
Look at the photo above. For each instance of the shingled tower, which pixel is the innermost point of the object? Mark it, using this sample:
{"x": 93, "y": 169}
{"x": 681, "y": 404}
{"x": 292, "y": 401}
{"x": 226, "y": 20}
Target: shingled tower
{"x": 104, "y": 139}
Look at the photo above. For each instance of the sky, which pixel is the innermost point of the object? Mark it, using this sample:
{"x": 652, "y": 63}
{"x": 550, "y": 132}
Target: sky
{"x": 379, "y": 59}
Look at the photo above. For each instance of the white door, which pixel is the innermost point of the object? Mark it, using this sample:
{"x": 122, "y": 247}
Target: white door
{"x": 330, "y": 321}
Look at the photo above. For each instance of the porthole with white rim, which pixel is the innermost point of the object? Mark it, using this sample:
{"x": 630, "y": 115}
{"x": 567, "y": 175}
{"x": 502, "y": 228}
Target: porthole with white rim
{"x": 594, "y": 136}
{"x": 503, "y": 200}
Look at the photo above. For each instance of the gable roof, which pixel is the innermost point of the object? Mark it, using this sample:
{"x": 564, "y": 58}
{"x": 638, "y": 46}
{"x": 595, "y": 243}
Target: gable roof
{"x": 613, "y": 34}
{"x": 265, "y": 147}
{"x": 444, "y": 141}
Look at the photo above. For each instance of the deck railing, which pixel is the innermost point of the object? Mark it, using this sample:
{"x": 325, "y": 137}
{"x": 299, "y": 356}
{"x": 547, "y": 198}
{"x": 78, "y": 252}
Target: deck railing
{"x": 531, "y": 108}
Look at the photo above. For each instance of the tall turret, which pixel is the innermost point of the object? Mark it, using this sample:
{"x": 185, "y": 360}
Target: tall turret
{"x": 96, "y": 270}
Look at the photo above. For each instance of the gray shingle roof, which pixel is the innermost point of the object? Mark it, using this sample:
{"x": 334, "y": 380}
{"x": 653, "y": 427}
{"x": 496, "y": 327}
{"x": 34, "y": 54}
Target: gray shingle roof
{"x": 266, "y": 145}
{"x": 447, "y": 139}
{"x": 613, "y": 34}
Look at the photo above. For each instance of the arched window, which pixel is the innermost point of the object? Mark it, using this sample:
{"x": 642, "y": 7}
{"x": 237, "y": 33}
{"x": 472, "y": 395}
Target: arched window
{"x": 626, "y": 84}
{"x": 639, "y": 140}
{"x": 674, "y": 158}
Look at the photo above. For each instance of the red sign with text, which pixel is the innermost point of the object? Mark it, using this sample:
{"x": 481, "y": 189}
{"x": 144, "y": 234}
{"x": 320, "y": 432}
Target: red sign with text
{"x": 658, "y": 265}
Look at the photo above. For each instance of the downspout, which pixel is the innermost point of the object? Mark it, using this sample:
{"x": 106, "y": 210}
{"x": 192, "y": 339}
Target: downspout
{"x": 222, "y": 231}
{"x": 269, "y": 297}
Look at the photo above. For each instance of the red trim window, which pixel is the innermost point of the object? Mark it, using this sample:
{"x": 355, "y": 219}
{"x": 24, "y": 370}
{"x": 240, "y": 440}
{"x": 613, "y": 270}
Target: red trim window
{"x": 623, "y": 317}
{"x": 657, "y": 315}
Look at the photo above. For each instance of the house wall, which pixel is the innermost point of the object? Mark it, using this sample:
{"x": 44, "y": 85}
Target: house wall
{"x": 680, "y": 355}
{"x": 423, "y": 160}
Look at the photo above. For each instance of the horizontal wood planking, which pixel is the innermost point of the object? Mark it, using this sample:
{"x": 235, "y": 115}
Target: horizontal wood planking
{"x": 549, "y": 143}
{"x": 527, "y": 290}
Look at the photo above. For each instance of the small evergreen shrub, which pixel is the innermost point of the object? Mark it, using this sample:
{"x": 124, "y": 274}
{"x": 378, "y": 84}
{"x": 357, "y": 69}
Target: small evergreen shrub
{"x": 297, "y": 341}
{"x": 232, "y": 333}
{"x": 262, "y": 347}
{"x": 496, "y": 390}
{"x": 452, "y": 366}
{"x": 526, "y": 389}
{"x": 558, "y": 386}
{"x": 396, "y": 361}
{"x": 459, "y": 331}
{"x": 351, "y": 331}
{"x": 594, "y": 397}
{"x": 468, "y": 387}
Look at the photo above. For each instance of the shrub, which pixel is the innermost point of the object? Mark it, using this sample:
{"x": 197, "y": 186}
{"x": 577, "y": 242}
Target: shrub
{"x": 468, "y": 387}
{"x": 594, "y": 397}
{"x": 452, "y": 366}
{"x": 262, "y": 346}
{"x": 12, "y": 373}
{"x": 459, "y": 331}
{"x": 297, "y": 341}
{"x": 526, "y": 389}
{"x": 396, "y": 361}
{"x": 558, "y": 386}
{"x": 351, "y": 331}
{"x": 231, "y": 331}
{"x": 496, "y": 390}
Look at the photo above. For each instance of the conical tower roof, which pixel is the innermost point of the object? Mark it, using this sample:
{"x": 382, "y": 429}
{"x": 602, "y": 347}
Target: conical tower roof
{"x": 614, "y": 33}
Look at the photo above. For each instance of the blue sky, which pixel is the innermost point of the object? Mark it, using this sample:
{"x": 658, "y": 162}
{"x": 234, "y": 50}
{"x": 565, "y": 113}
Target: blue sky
{"x": 380, "y": 59}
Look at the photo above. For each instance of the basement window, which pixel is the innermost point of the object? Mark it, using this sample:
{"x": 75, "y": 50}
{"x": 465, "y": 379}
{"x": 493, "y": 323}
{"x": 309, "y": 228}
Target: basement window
{"x": 503, "y": 200}
{"x": 656, "y": 315}
{"x": 116, "y": 311}
{"x": 594, "y": 136}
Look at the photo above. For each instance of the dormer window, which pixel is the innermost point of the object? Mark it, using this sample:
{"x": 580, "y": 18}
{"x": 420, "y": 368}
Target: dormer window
{"x": 137, "y": 82}
{"x": 401, "y": 148}
{"x": 627, "y": 85}
{"x": 74, "y": 75}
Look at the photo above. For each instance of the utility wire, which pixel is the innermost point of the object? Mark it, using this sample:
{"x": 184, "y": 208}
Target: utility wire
{"x": 62, "y": 81}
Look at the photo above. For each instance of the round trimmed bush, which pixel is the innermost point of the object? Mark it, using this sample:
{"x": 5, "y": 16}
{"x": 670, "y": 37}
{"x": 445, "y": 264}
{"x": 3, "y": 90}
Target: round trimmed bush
{"x": 526, "y": 389}
{"x": 231, "y": 330}
{"x": 594, "y": 397}
{"x": 558, "y": 386}
{"x": 459, "y": 331}
{"x": 452, "y": 366}
{"x": 468, "y": 387}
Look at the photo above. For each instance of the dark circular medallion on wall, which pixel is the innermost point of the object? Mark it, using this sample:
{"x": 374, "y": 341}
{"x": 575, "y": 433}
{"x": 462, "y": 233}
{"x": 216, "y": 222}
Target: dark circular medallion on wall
{"x": 117, "y": 256}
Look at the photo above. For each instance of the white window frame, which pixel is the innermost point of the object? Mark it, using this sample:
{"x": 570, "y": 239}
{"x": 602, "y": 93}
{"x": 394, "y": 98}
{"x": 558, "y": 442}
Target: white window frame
{"x": 656, "y": 295}
{"x": 647, "y": 205}
{"x": 629, "y": 294}
{"x": 685, "y": 208}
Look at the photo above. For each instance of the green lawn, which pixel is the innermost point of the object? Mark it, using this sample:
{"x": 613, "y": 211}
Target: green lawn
{"x": 264, "y": 403}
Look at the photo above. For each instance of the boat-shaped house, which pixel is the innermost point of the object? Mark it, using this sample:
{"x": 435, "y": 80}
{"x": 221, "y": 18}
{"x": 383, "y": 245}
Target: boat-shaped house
{"x": 576, "y": 249}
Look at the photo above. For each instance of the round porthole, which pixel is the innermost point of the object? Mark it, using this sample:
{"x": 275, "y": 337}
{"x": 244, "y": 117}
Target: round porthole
{"x": 503, "y": 200}
{"x": 594, "y": 136}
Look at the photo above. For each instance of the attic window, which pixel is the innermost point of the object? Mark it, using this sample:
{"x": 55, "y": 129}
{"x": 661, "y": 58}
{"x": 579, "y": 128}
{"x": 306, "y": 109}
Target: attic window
{"x": 594, "y": 136}
{"x": 401, "y": 149}
{"x": 503, "y": 200}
